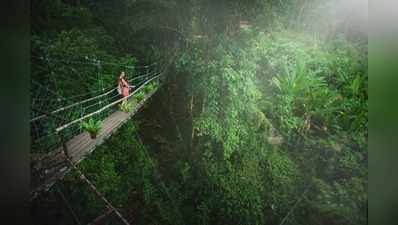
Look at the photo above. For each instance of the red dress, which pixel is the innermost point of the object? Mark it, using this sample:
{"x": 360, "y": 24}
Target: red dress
{"x": 125, "y": 87}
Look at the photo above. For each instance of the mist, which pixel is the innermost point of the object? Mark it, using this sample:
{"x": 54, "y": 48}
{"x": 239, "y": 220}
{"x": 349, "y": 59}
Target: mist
{"x": 327, "y": 18}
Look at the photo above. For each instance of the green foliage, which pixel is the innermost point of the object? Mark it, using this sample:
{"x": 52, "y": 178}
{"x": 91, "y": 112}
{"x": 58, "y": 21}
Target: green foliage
{"x": 150, "y": 87}
{"x": 340, "y": 200}
{"x": 318, "y": 88}
{"x": 294, "y": 86}
{"x": 230, "y": 93}
{"x": 74, "y": 65}
{"x": 140, "y": 95}
{"x": 315, "y": 88}
{"x": 92, "y": 126}
{"x": 232, "y": 151}
{"x": 283, "y": 179}
{"x": 126, "y": 106}
{"x": 48, "y": 15}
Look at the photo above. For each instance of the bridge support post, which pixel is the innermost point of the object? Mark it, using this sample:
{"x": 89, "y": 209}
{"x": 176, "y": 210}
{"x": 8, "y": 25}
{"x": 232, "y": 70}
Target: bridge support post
{"x": 64, "y": 146}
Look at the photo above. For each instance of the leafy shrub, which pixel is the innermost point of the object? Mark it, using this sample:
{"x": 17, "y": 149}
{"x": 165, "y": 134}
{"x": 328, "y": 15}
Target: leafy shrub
{"x": 91, "y": 126}
{"x": 140, "y": 95}
{"x": 150, "y": 87}
{"x": 126, "y": 106}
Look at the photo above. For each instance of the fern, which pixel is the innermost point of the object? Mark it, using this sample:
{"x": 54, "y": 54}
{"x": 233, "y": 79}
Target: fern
{"x": 126, "y": 106}
{"x": 91, "y": 126}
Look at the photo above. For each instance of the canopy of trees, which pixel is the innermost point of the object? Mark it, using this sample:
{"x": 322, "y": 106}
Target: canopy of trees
{"x": 264, "y": 123}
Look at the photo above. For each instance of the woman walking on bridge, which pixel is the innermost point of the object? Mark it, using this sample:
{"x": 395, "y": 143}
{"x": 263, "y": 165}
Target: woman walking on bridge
{"x": 123, "y": 86}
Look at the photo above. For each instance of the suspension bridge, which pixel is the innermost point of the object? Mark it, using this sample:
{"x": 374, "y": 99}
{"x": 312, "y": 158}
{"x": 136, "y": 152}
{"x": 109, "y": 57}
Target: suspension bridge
{"x": 58, "y": 140}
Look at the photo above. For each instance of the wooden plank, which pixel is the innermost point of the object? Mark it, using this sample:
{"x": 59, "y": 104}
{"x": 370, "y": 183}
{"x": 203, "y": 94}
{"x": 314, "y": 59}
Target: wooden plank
{"x": 85, "y": 140}
{"x": 87, "y": 143}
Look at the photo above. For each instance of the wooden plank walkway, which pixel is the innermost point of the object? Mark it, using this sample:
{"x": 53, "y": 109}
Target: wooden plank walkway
{"x": 48, "y": 168}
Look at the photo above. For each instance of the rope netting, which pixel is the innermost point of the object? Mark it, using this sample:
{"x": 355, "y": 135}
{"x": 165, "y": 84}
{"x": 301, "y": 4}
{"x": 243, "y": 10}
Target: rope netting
{"x": 65, "y": 93}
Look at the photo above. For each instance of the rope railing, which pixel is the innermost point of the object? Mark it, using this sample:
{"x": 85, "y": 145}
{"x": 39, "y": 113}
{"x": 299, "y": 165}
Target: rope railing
{"x": 72, "y": 105}
{"x": 90, "y": 99}
{"x": 101, "y": 89}
{"x": 93, "y": 79}
{"x": 46, "y": 138}
{"x": 59, "y": 129}
{"x": 105, "y": 107}
{"x": 98, "y": 63}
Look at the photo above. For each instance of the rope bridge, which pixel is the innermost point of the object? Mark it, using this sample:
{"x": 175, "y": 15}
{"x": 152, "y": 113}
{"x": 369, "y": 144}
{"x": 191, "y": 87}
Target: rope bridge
{"x": 55, "y": 115}
{"x": 58, "y": 142}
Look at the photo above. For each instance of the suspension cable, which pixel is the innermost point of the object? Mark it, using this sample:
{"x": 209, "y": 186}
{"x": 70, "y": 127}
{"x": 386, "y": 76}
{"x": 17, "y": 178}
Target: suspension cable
{"x": 69, "y": 207}
{"x": 91, "y": 185}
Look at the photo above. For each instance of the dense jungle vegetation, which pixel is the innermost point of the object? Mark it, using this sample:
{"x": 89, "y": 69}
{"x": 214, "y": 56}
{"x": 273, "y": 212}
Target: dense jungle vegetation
{"x": 262, "y": 118}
